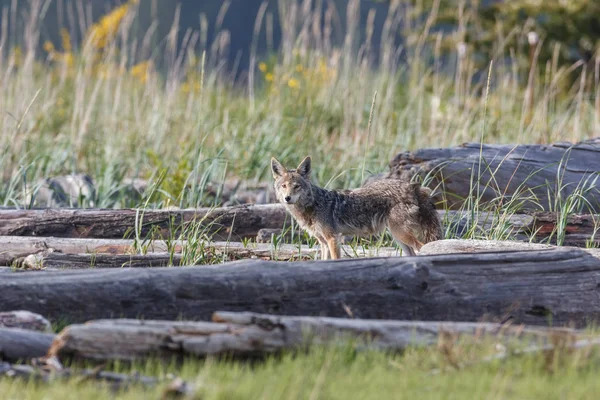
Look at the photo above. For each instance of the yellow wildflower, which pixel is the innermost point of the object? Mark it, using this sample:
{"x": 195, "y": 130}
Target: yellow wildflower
{"x": 16, "y": 55}
{"x": 48, "y": 47}
{"x": 299, "y": 68}
{"x": 191, "y": 85}
{"x": 102, "y": 32}
{"x": 141, "y": 71}
{"x": 66, "y": 40}
{"x": 262, "y": 67}
{"x": 293, "y": 83}
{"x": 68, "y": 59}
{"x": 269, "y": 77}
{"x": 322, "y": 67}
{"x": 107, "y": 71}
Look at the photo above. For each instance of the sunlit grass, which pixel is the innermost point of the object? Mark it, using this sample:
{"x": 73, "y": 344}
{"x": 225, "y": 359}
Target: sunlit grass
{"x": 343, "y": 373}
{"x": 109, "y": 107}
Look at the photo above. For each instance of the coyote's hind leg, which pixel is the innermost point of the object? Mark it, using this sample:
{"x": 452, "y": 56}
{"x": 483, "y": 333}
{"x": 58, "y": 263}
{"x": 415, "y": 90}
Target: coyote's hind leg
{"x": 406, "y": 249}
{"x": 408, "y": 243}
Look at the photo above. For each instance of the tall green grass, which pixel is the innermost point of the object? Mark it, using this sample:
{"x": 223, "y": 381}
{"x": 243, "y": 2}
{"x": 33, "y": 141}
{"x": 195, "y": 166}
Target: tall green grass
{"x": 459, "y": 371}
{"x": 108, "y": 112}
{"x": 117, "y": 111}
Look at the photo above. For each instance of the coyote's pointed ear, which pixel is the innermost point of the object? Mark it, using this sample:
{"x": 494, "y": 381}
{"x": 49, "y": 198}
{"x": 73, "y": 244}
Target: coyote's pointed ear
{"x": 304, "y": 167}
{"x": 277, "y": 168}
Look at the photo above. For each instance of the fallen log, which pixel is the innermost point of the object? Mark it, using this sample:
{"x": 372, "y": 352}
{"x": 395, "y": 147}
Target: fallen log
{"x": 15, "y": 247}
{"x": 249, "y": 334}
{"x": 451, "y": 246}
{"x": 235, "y": 223}
{"x": 528, "y": 287}
{"x": 116, "y": 381}
{"x": 227, "y": 223}
{"x": 52, "y": 260}
{"x": 43, "y": 253}
{"x": 222, "y": 251}
{"x": 22, "y": 344}
{"x": 209, "y": 255}
{"x": 535, "y": 173}
{"x": 24, "y": 320}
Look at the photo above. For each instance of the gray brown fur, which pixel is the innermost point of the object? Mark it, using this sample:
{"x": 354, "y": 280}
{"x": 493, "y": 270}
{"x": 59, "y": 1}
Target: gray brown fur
{"x": 406, "y": 209}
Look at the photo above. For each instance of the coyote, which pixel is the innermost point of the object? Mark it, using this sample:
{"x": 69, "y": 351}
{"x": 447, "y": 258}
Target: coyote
{"x": 406, "y": 209}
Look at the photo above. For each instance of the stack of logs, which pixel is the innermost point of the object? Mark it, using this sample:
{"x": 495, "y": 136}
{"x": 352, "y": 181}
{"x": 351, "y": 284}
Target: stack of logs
{"x": 74, "y": 266}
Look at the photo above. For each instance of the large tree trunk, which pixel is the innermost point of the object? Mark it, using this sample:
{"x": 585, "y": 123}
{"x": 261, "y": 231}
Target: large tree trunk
{"x": 529, "y": 287}
{"x": 507, "y": 170}
{"x": 227, "y": 223}
{"x": 249, "y": 334}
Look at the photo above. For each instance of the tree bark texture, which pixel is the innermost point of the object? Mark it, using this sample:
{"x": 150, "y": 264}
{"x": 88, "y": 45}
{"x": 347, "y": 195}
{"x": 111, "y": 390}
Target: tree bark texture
{"x": 241, "y": 222}
{"x": 227, "y": 223}
{"x": 560, "y": 286}
{"x": 505, "y": 171}
{"x": 249, "y": 334}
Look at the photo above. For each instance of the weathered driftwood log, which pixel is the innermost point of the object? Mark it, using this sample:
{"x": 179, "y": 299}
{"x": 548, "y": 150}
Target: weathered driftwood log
{"x": 15, "y": 247}
{"x": 210, "y": 254}
{"x": 528, "y": 287}
{"x": 50, "y": 252}
{"x": 53, "y": 260}
{"x": 228, "y": 223}
{"x": 506, "y": 171}
{"x": 22, "y": 344}
{"x": 248, "y": 334}
{"x": 223, "y": 251}
{"x": 24, "y": 320}
{"x": 234, "y": 223}
{"x": 580, "y": 229}
{"x": 115, "y": 380}
{"x": 450, "y": 246}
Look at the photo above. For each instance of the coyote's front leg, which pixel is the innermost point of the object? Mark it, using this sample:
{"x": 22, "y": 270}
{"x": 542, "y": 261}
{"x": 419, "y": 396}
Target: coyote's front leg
{"x": 324, "y": 248}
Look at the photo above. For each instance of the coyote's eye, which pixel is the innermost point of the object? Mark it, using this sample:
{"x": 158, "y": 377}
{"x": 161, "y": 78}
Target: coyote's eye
{"x": 296, "y": 186}
{"x": 284, "y": 185}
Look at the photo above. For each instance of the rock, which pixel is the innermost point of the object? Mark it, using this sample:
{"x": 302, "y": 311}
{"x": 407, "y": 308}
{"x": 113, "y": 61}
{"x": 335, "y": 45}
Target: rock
{"x": 76, "y": 190}
{"x": 24, "y": 320}
{"x": 450, "y": 246}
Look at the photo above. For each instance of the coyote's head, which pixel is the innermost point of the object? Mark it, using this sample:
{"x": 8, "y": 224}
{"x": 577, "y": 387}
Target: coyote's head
{"x": 292, "y": 185}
